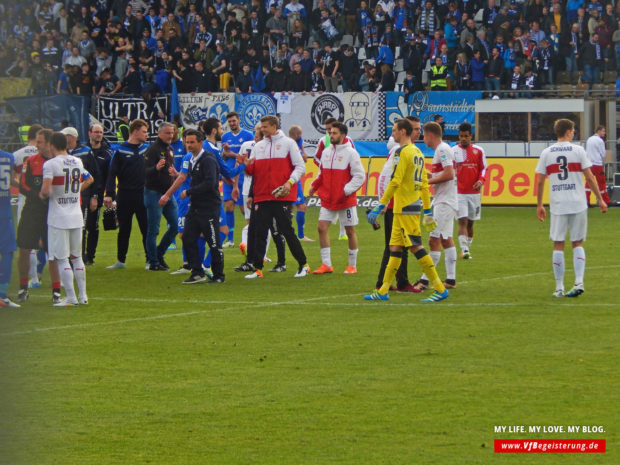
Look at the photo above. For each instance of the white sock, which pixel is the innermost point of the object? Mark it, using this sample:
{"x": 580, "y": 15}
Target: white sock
{"x": 342, "y": 232}
{"x": 326, "y": 257}
{"x": 244, "y": 234}
{"x": 558, "y": 269}
{"x": 469, "y": 241}
{"x": 450, "y": 262}
{"x": 80, "y": 275}
{"x": 436, "y": 256}
{"x": 66, "y": 278}
{"x": 353, "y": 258}
{"x": 579, "y": 264}
{"x": 463, "y": 243}
{"x": 32, "y": 270}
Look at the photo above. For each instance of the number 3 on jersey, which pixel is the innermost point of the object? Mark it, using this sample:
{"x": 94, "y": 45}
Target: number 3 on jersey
{"x": 72, "y": 180}
{"x": 563, "y": 162}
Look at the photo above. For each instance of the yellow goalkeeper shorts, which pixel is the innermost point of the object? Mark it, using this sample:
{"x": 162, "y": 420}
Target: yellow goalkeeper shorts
{"x": 406, "y": 230}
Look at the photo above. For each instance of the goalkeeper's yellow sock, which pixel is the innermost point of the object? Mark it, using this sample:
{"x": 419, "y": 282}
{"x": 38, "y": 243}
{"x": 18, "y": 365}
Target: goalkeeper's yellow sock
{"x": 426, "y": 262}
{"x": 390, "y": 271}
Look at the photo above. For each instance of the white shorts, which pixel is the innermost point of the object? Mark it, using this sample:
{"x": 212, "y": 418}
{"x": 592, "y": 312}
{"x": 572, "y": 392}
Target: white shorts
{"x": 576, "y": 223}
{"x": 444, "y": 215}
{"x": 469, "y": 206}
{"x": 347, "y": 216}
{"x": 246, "y": 210}
{"x": 62, "y": 243}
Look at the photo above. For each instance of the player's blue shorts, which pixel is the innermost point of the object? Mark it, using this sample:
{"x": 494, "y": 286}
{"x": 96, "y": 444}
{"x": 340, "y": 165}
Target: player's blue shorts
{"x": 227, "y": 191}
{"x": 7, "y": 236}
{"x": 300, "y": 194}
{"x": 182, "y": 207}
{"x": 240, "y": 184}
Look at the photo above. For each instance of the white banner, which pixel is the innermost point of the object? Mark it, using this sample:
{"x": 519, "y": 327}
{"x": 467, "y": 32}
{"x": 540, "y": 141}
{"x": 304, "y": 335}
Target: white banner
{"x": 197, "y": 107}
{"x": 362, "y": 112}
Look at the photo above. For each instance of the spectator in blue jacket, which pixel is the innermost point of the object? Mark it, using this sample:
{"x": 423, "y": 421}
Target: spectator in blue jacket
{"x": 478, "y": 68}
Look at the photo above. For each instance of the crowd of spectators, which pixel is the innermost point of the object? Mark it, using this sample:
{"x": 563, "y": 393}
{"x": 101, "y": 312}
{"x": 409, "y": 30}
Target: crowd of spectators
{"x": 93, "y": 47}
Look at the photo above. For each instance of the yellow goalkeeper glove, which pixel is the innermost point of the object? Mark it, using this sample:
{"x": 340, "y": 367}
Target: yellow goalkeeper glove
{"x": 428, "y": 221}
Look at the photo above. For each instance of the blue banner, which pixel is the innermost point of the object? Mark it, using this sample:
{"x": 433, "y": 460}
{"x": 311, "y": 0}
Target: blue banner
{"x": 51, "y": 111}
{"x": 252, "y": 107}
{"x": 455, "y": 107}
{"x": 379, "y": 149}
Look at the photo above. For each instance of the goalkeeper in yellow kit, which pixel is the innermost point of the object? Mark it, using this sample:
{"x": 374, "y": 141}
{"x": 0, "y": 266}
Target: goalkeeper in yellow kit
{"x": 409, "y": 187}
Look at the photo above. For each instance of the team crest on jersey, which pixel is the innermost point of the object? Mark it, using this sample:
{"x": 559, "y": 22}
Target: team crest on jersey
{"x": 326, "y": 106}
{"x": 278, "y": 146}
{"x": 475, "y": 152}
{"x": 253, "y": 108}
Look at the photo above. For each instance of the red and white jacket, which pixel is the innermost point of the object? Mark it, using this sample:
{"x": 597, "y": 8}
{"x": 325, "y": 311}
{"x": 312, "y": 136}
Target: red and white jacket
{"x": 321, "y": 147}
{"x": 471, "y": 167}
{"x": 341, "y": 175}
{"x": 277, "y": 159}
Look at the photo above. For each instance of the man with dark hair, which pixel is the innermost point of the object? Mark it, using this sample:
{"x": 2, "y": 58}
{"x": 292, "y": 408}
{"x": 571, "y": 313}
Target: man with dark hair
{"x": 32, "y": 227}
{"x": 103, "y": 154}
{"x": 275, "y": 187}
{"x": 341, "y": 174}
{"x": 127, "y": 165}
{"x": 159, "y": 176}
{"x": 471, "y": 166}
{"x": 64, "y": 177}
{"x": 205, "y": 203}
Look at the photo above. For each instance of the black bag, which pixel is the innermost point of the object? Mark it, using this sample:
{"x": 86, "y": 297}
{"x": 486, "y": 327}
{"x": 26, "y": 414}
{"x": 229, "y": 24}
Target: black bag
{"x": 110, "y": 222}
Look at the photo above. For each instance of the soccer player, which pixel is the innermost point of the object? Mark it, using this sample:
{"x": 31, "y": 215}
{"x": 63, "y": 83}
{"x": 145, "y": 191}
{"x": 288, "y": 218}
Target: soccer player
{"x": 294, "y": 132}
{"x": 159, "y": 176}
{"x": 89, "y": 198}
{"x": 471, "y": 166}
{"x": 32, "y": 227}
{"x": 232, "y": 141}
{"x": 127, "y": 165}
{"x": 341, "y": 175}
{"x": 324, "y": 142}
{"x": 445, "y": 204}
{"x": 277, "y": 167}
{"x": 409, "y": 188}
{"x": 402, "y": 278}
{"x": 103, "y": 154}
{"x": 64, "y": 177}
{"x": 595, "y": 149}
{"x": 565, "y": 164}
{"x": 7, "y": 232}
{"x": 37, "y": 258}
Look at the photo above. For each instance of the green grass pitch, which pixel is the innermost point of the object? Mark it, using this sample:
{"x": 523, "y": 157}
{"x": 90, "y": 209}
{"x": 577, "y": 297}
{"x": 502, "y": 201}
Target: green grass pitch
{"x": 303, "y": 371}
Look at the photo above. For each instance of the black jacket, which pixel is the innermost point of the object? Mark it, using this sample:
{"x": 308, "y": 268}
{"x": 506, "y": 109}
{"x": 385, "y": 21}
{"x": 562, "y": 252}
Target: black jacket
{"x": 103, "y": 155}
{"x": 90, "y": 164}
{"x": 128, "y": 166}
{"x": 158, "y": 180}
{"x": 300, "y": 82}
{"x": 204, "y": 192}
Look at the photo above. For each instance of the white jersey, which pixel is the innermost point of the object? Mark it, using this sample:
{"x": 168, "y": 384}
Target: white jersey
{"x": 20, "y": 155}
{"x": 66, "y": 173}
{"x": 563, "y": 164}
{"x": 247, "y": 179}
{"x": 386, "y": 172}
{"x": 595, "y": 149}
{"x": 445, "y": 192}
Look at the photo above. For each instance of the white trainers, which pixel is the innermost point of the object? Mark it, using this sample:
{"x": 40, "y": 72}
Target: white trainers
{"x": 83, "y": 300}
{"x": 303, "y": 271}
{"x": 116, "y": 266}
{"x": 558, "y": 293}
{"x": 228, "y": 244}
{"x": 65, "y": 303}
{"x": 8, "y": 303}
{"x": 256, "y": 275}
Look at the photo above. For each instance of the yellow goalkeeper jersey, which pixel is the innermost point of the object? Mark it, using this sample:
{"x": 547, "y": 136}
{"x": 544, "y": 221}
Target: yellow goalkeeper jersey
{"x": 409, "y": 183}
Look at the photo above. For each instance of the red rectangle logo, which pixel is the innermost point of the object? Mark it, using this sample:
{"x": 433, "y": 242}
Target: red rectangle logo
{"x": 549, "y": 446}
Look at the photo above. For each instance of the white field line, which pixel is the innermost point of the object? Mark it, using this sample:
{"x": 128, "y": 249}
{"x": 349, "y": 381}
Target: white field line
{"x": 293, "y": 302}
